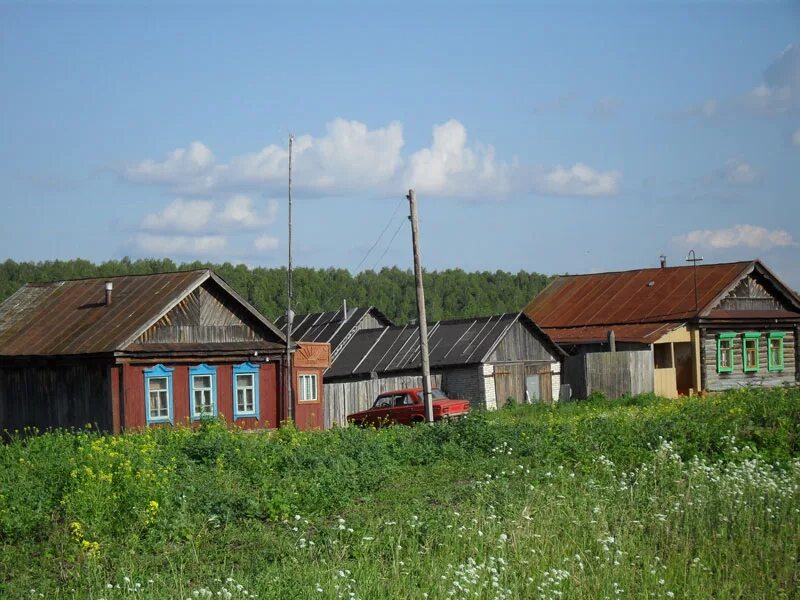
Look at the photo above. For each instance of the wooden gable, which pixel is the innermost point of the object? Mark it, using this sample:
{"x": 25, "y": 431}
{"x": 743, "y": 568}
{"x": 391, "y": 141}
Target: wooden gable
{"x": 755, "y": 292}
{"x": 207, "y": 315}
{"x": 521, "y": 342}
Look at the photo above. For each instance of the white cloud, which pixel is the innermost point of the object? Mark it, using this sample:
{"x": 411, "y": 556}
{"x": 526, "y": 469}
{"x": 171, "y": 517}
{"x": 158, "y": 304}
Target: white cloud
{"x": 181, "y": 166}
{"x": 779, "y": 91}
{"x": 796, "y": 138}
{"x": 180, "y": 215}
{"x": 239, "y": 212}
{"x": 577, "y": 180}
{"x": 451, "y": 168}
{"x": 348, "y": 157}
{"x": 747, "y": 236}
{"x": 179, "y": 245}
{"x": 352, "y": 158}
{"x": 265, "y": 243}
{"x": 740, "y": 173}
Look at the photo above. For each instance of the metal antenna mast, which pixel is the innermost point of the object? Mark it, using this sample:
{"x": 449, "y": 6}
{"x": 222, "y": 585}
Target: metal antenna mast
{"x": 289, "y": 312}
{"x": 692, "y": 258}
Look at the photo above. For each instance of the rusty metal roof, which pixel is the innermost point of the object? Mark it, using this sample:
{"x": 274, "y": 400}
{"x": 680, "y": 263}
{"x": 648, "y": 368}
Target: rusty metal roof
{"x": 643, "y": 333}
{"x": 71, "y": 317}
{"x": 644, "y": 304}
{"x": 640, "y": 296}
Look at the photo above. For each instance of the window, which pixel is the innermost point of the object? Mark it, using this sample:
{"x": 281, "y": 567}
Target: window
{"x": 308, "y": 387}
{"x": 203, "y": 391}
{"x": 775, "y": 351}
{"x": 158, "y": 394}
{"x": 725, "y": 352}
{"x": 384, "y": 402}
{"x": 750, "y": 351}
{"x": 245, "y": 390}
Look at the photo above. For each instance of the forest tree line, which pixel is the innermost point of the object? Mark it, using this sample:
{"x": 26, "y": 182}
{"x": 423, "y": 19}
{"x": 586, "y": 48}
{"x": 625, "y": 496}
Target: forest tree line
{"x": 449, "y": 294}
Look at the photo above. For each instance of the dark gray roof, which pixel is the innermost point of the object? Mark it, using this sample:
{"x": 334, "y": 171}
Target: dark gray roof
{"x": 450, "y": 343}
{"x": 329, "y": 326}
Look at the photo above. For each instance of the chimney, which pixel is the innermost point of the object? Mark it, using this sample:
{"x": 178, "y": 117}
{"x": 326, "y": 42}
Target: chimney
{"x": 663, "y": 261}
{"x": 344, "y": 310}
{"x": 109, "y": 288}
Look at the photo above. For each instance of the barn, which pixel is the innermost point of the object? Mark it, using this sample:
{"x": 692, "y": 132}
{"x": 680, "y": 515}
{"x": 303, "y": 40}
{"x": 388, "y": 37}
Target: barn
{"x": 486, "y": 360}
{"x": 673, "y": 330}
{"x": 149, "y": 350}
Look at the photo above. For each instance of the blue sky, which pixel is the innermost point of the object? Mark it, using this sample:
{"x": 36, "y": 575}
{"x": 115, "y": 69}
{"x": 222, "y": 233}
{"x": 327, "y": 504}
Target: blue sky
{"x": 551, "y": 137}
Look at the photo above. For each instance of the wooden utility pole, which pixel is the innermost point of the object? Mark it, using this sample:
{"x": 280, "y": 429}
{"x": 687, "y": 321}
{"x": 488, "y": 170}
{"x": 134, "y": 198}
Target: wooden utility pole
{"x": 289, "y": 313}
{"x": 423, "y": 321}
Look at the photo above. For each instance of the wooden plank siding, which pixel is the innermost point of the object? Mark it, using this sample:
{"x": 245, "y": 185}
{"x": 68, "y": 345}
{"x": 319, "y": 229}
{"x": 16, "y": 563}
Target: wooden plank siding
{"x": 346, "y": 397}
{"x": 204, "y": 316}
{"x": 614, "y": 374}
{"x": 520, "y": 344}
{"x": 715, "y": 381}
{"x": 51, "y": 394}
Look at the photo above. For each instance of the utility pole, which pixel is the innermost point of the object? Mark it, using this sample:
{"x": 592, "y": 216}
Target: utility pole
{"x": 289, "y": 312}
{"x": 423, "y": 321}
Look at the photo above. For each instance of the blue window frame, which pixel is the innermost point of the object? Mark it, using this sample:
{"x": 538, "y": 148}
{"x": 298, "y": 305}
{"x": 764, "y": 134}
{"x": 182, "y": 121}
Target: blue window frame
{"x": 203, "y": 391}
{"x": 245, "y": 390}
{"x": 158, "y": 395}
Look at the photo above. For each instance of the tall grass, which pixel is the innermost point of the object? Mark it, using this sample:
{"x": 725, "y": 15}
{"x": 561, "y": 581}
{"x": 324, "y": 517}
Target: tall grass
{"x": 640, "y": 498}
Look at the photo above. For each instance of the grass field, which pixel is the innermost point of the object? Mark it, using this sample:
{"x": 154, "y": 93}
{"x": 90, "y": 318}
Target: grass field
{"x": 639, "y": 498}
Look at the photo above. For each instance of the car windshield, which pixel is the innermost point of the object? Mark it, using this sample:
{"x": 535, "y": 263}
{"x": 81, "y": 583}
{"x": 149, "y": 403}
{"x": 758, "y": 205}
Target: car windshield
{"x": 438, "y": 394}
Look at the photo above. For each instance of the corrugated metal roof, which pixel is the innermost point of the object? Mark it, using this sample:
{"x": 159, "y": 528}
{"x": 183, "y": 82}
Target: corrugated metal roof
{"x": 71, "y": 317}
{"x": 328, "y": 326}
{"x": 450, "y": 343}
{"x": 640, "y": 296}
{"x": 644, "y": 333}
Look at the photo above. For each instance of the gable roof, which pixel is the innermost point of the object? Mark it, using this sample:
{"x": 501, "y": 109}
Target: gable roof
{"x": 330, "y": 326}
{"x": 450, "y": 343}
{"x": 580, "y": 308}
{"x": 71, "y": 317}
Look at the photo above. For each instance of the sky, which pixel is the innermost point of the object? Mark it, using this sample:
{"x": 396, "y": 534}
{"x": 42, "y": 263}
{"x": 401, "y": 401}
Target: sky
{"x": 557, "y": 137}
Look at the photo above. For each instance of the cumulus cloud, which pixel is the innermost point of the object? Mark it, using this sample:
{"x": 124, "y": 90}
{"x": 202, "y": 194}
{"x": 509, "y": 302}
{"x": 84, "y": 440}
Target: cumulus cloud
{"x": 348, "y": 157}
{"x": 745, "y": 236}
{"x": 577, "y": 180}
{"x": 779, "y": 92}
{"x": 265, "y": 243}
{"x": 738, "y": 172}
{"x": 237, "y": 213}
{"x": 179, "y": 245}
{"x": 352, "y": 158}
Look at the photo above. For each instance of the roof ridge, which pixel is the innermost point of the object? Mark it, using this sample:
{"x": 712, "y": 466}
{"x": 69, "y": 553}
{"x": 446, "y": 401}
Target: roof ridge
{"x": 108, "y": 277}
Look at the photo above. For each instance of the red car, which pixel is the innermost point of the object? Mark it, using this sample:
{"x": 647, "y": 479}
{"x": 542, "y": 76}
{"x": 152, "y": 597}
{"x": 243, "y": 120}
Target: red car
{"x": 406, "y": 407}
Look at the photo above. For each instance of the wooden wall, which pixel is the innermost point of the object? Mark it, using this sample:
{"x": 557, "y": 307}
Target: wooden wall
{"x": 615, "y": 374}
{"x": 134, "y": 397}
{"x": 510, "y": 381}
{"x": 715, "y": 381}
{"x": 50, "y": 394}
{"x": 346, "y": 397}
{"x": 520, "y": 343}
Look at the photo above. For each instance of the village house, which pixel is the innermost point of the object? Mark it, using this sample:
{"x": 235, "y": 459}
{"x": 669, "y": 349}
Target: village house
{"x": 136, "y": 351}
{"x": 674, "y": 330}
{"x": 485, "y": 360}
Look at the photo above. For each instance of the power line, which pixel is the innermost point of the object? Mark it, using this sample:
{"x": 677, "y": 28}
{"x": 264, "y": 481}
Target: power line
{"x": 389, "y": 222}
{"x": 389, "y": 245}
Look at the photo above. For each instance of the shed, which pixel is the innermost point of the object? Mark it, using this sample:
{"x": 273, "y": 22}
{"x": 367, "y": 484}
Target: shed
{"x": 486, "y": 360}
{"x": 710, "y": 327}
{"x": 135, "y": 351}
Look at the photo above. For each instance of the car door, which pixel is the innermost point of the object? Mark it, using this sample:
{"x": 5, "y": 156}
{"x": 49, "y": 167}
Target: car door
{"x": 403, "y": 409}
{"x": 380, "y": 413}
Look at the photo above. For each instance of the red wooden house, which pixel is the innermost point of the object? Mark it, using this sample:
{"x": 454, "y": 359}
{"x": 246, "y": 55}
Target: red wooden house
{"x": 134, "y": 351}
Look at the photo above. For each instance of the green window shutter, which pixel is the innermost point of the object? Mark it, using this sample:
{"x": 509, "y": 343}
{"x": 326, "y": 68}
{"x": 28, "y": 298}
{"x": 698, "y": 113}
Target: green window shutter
{"x": 775, "y": 350}
{"x": 750, "y": 351}
{"x": 725, "y": 352}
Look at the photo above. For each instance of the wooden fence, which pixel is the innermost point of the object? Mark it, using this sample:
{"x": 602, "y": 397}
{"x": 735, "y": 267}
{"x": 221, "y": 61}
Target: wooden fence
{"x": 346, "y": 397}
{"x": 614, "y": 374}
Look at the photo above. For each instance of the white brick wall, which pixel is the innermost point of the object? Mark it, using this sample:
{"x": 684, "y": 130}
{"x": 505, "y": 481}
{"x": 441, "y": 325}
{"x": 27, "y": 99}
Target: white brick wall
{"x": 555, "y": 370}
{"x": 489, "y": 390}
